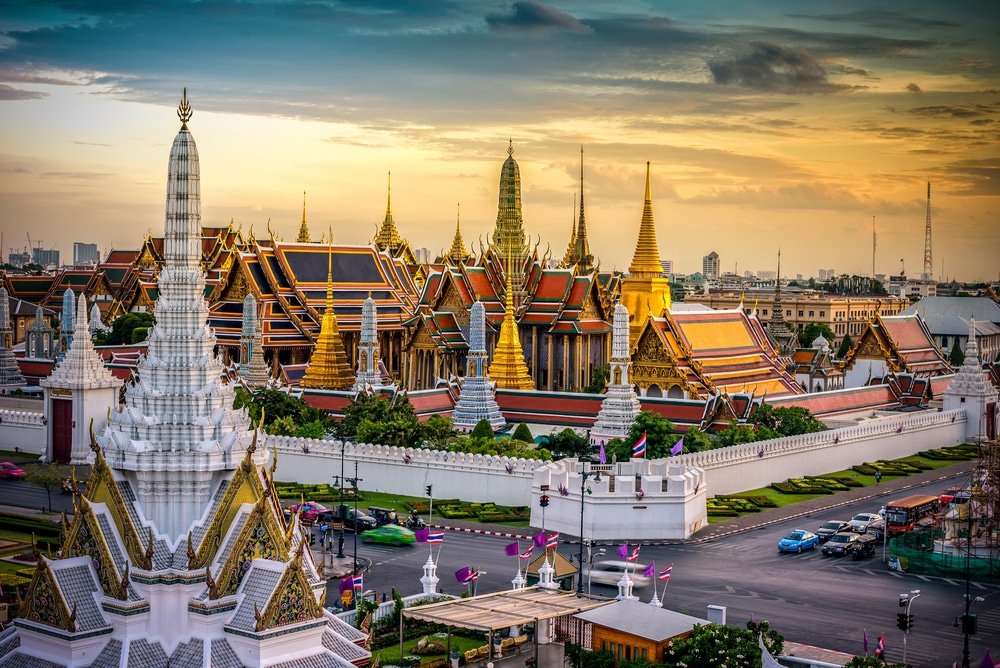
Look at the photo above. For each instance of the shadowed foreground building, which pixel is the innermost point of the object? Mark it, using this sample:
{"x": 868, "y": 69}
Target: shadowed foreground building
{"x": 178, "y": 553}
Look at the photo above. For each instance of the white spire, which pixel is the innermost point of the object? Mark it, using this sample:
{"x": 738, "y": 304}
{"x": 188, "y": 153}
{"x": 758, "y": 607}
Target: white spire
{"x": 82, "y": 368}
{"x": 477, "y": 400}
{"x": 620, "y": 404}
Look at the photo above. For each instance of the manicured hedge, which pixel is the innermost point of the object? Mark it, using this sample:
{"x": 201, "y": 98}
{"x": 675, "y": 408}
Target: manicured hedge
{"x": 40, "y": 528}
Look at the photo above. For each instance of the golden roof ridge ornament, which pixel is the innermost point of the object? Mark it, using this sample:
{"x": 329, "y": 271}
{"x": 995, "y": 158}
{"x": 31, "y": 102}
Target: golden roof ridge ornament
{"x": 304, "y": 236}
{"x": 646, "y": 260}
{"x": 184, "y": 111}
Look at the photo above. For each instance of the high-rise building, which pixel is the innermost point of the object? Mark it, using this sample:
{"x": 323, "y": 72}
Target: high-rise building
{"x": 668, "y": 267}
{"x": 710, "y": 265}
{"x": 45, "y": 256}
{"x": 85, "y": 253}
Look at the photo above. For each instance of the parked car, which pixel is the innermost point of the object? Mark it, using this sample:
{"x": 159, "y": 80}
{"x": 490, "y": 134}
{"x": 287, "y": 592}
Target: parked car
{"x": 862, "y": 546}
{"x": 838, "y": 544}
{"x": 610, "y": 572}
{"x": 830, "y": 528}
{"x": 864, "y": 522}
{"x": 310, "y": 510}
{"x": 798, "y": 540}
{"x": 354, "y": 520}
{"x": 389, "y": 534}
{"x": 10, "y": 470}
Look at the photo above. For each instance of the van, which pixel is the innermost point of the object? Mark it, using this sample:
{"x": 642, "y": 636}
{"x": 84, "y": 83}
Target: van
{"x": 610, "y": 572}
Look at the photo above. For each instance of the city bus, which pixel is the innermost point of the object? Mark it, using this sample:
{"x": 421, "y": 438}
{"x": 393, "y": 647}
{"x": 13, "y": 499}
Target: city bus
{"x": 902, "y": 515}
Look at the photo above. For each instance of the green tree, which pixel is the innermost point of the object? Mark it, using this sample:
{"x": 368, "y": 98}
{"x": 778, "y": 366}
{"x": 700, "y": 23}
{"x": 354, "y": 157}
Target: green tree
{"x": 659, "y": 432}
{"x": 435, "y": 431}
{"x": 585, "y": 658}
{"x": 282, "y": 426}
{"x": 314, "y": 429}
{"x": 696, "y": 440}
{"x": 482, "y": 430}
{"x": 276, "y": 405}
{"x": 714, "y": 645}
{"x": 598, "y": 379}
{"x": 523, "y": 434}
{"x": 845, "y": 347}
{"x": 790, "y": 421}
{"x": 123, "y": 329}
{"x": 567, "y": 443}
{"x": 957, "y": 356}
{"x": 48, "y": 477}
{"x": 812, "y": 330}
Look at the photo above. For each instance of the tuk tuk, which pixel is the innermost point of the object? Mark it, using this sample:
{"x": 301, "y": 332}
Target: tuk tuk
{"x": 862, "y": 547}
{"x": 383, "y": 516}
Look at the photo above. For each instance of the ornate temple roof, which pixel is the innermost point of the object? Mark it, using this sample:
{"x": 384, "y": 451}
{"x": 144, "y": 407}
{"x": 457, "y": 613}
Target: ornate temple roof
{"x": 82, "y": 367}
{"x": 388, "y": 238}
{"x": 457, "y": 254}
{"x": 904, "y": 342}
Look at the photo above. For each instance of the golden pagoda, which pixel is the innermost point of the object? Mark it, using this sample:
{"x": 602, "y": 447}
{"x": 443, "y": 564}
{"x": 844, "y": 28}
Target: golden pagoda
{"x": 457, "y": 253}
{"x": 569, "y": 257}
{"x": 645, "y": 291}
{"x": 304, "y": 237}
{"x": 328, "y": 368}
{"x": 508, "y": 369}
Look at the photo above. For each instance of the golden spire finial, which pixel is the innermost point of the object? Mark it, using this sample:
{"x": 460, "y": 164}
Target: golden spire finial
{"x": 184, "y": 111}
{"x": 328, "y": 367}
{"x": 388, "y": 196}
{"x": 510, "y": 147}
{"x": 304, "y": 236}
{"x": 646, "y": 261}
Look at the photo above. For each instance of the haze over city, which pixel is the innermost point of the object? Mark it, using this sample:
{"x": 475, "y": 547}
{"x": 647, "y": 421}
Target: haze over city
{"x": 783, "y": 124}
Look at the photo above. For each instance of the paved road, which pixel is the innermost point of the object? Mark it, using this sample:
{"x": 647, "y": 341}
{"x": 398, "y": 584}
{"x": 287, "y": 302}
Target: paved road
{"x": 26, "y": 495}
{"x": 828, "y": 602}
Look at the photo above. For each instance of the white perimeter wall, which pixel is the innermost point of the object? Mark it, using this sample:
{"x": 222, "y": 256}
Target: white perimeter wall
{"x": 24, "y": 430}
{"x": 753, "y": 465}
{"x": 455, "y": 475}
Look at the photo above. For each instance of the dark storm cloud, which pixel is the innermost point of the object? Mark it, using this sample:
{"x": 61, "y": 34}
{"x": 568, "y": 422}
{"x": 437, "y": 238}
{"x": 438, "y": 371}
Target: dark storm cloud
{"x": 770, "y": 67}
{"x": 977, "y": 177}
{"x": 533, "y": 17}
{"x": 881, "y": 19}
{"x": 913, "y": 88}
{"x": 11, "y": 93}
{"x": 846, "y": 69}
{"x": 953, "y": 111}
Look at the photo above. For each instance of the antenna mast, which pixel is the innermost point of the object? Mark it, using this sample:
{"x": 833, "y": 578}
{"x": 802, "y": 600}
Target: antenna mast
{"x": 928, "y": 258}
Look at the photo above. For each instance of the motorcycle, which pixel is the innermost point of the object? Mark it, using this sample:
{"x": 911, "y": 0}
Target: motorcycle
{"x": 415, "y": 522}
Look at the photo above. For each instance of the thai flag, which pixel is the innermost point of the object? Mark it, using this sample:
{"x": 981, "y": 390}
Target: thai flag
{"x": 435, "y": 537}
{"x": 880, "y": 647}
{"x": 527, "y": 553}
{"x": 639, "y": 449}
{"x": 552, "y": 542}
{"x": 359, "y": 582}
{"x": 665, "y": 573}
{"x": 635, "y": 554}
{"x": 472, "y": 576}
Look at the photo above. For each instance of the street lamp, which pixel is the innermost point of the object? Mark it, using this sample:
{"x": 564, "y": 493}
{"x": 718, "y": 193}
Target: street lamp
{"x": 340, "y": 507}
{"x": 905, "y": 619}
{"x": 354, "y": 486}
{"x": 584, "y": 490}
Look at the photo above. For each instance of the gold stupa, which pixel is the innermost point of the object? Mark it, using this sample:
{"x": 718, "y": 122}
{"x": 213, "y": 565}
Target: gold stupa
{"x": 508, "y": 369}
{"x": 328, "y": 368}
{"x": 645, "y": 291}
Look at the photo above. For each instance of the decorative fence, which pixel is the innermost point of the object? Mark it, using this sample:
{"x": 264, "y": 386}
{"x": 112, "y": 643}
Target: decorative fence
{"x": 22, "y": 430}
{"x": 385, "y": 609}
{"x": 454, "y": 475}
{"x": 752, "y": 465}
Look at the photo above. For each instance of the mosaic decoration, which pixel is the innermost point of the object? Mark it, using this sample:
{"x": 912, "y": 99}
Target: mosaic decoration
{"x": 44, "y": 602}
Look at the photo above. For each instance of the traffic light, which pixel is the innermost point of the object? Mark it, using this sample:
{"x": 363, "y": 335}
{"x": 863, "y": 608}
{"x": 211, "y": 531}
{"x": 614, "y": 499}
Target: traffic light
{"x": 970, "y": 624}
{"x": 909, "y": 621}
{"x": 902, "y": 621}
{"x": 427, "y": 489}
{"x": 543, "y": 501}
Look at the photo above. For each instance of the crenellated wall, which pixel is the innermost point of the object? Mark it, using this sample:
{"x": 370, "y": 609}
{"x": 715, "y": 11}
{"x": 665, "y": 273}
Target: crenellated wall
{"x": 455, "y": 475}
{"x": 24, "y": 430}
{"x": 752, "y": 465}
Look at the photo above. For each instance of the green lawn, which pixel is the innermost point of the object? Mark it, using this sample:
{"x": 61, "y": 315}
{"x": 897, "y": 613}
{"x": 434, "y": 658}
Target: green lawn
{"x": 390, "y": 655}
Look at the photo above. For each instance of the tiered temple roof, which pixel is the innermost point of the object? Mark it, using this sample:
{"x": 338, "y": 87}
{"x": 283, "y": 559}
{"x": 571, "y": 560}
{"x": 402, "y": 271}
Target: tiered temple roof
{"x": 905, "y": 344}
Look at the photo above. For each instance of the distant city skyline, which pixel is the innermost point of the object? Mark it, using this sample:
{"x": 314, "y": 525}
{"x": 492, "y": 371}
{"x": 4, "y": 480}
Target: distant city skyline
{"x": 767, "y": 125}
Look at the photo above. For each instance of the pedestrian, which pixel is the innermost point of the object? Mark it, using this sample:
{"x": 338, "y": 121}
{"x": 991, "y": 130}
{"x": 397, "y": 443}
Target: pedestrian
{"x": 878, "y": 477}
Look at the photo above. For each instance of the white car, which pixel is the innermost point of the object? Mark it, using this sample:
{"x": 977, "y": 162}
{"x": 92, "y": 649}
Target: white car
{"x": 865, "y": 522}
{"x": 610, "y": 572}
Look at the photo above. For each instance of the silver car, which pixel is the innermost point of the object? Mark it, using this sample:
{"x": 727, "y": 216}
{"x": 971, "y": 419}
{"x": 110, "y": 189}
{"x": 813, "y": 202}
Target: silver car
{"x": 610, "y": 572}
{"x": 865, "y": 522}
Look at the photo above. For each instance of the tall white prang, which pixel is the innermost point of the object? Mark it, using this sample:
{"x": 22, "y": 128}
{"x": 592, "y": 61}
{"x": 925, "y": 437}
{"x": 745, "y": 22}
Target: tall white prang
{"x": 477, "y": 400}
{"x": 620, "y": 405}
{"x": 177, "y": 432}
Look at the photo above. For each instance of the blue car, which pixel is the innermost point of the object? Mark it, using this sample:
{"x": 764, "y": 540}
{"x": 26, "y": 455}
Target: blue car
{"x": 797, "y": 541}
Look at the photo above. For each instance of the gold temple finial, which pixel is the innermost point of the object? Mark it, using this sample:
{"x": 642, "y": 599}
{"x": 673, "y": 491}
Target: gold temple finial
{"x": 510, "y": 147}
{"x": 184, "y": 111}
{"x": 328, "y": 367}
{"x": 304, "y": 236}
{"x": 457, "y": 253}
{"x": 388, "y": 196}
{"x": 646, "y": 261}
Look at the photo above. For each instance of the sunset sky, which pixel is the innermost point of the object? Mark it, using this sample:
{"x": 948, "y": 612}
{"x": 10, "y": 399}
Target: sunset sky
{"x": 770, "y": 124}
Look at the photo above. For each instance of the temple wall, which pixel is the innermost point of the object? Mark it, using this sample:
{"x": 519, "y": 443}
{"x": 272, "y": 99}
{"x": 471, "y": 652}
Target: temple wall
{"x": 753, "y": 465}
{"x": 24, "y": 430}
{"x": 455, "y": 475}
